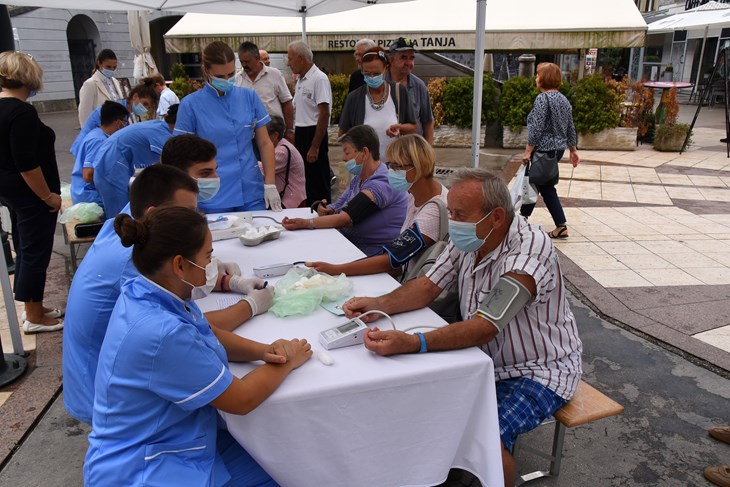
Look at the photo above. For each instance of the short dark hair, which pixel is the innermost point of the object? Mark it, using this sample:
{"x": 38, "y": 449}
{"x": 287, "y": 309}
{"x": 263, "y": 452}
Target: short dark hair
{"x": 250, "y": 48}
{"x": 183, "y": 151}
{"x": 161, "y": 235}
{"x": 361, "y": 136}
{"x": 112, "y": 111}
{"x": 156, "y": 185}
{"x": 276, "y": 124}
{"x": 145, "y": 89}
{"x": 171, "y": 115}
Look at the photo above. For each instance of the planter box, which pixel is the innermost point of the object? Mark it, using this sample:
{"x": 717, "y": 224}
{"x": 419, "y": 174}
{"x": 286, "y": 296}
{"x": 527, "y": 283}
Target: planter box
{"x": 619, "y": 138}
{"x": 514, "y": 140}
{"x": 444, "y": 136}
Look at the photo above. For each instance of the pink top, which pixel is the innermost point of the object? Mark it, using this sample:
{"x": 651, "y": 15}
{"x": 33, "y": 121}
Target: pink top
{"x": 295, "y": 192}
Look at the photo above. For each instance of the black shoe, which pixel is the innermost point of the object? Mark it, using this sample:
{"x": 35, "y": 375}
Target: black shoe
{"x": 724, "y": 141}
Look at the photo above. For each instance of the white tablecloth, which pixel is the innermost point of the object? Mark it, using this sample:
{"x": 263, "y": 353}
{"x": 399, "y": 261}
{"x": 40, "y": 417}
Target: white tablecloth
{"x": 367, "y": 420}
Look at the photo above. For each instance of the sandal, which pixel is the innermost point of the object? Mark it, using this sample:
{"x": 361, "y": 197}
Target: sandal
{"x": 562, "y": 232}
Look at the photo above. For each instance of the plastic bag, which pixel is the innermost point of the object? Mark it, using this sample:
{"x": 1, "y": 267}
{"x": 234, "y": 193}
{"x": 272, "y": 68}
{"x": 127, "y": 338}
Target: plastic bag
{"x": 517, "y": 189}
{"x": 302, "y": 289}
{"x": 529, "y": 192}
{"x": 82, "y": 212}
{"x": 66, "y": 192}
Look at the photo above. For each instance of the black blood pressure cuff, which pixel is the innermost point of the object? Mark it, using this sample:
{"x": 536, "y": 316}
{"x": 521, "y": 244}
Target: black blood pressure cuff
{"x": 405, "y": 247}
{"x": 360, "y": 207}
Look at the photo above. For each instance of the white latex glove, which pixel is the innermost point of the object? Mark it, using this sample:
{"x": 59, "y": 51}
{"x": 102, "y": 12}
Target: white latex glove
{"x": 244, "y": 285}
{"x": 260, "y": 300}
{"x": 271, "y": 197}
{"x": 230, "y": 268}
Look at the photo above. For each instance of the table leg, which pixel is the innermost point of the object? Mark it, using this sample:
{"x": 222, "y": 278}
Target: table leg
{"x": 661, "y": 109}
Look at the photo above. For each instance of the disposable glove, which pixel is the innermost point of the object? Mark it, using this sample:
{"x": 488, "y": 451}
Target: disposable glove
{"x": 230, "y": 268}
{"x": 260, "y": 300}
{"x": 271, "y": 197}
{"x": 244, "y": 285}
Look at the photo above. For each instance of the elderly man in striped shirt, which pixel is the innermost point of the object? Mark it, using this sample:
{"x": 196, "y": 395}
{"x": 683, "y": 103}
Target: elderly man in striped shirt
{"x": 513, "y": 301}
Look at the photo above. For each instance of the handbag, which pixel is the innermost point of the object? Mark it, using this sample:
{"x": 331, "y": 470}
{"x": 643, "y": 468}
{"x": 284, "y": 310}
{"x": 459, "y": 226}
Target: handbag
{"x": 543, "y": 169}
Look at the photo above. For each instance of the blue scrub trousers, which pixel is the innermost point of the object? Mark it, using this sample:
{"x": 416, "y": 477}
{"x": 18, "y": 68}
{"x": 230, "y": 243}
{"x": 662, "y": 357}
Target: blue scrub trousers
{"x": 33, "y": 227}
{"x": 244, "y": 470}
{"x": 550, "y": 197}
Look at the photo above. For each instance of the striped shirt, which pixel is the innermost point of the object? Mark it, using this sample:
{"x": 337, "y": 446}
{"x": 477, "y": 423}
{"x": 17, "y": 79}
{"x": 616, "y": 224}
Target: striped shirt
{"x": 541, "y": 342}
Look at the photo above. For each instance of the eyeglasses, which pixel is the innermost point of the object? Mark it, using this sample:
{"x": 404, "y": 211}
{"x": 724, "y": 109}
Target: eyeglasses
{"x": 397, "y": 167}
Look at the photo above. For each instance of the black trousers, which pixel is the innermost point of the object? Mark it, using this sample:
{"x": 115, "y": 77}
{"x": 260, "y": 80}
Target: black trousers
{"x": 317, "y": 174}
{"x": 33, "y": 229}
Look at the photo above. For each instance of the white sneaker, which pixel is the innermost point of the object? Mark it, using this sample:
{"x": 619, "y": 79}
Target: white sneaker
{"x": 54, "y": 313}
{"x": 31, "y": 328}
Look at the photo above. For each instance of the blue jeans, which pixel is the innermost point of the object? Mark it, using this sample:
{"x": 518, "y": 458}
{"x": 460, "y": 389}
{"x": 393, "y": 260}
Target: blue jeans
{"x": 550, "y": 197}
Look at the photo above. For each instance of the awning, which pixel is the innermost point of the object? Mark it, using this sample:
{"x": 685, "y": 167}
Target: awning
{"x": 713, "y": 15}
{"x": 435, "y": 25}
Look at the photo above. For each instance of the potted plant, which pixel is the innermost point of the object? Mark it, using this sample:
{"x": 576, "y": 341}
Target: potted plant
{"x": 668, "y": 73}
{"x": 516, "y": 101}
{"x": 596, "y": 113}
{"x": 670, "y": 135}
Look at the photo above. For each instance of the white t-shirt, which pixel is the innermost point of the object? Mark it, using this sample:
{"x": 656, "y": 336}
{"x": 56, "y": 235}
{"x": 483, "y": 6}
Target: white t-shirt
{"x": 167, "y": 99}
{"x": 380, "y": 120}
{"x": 312, "y": 90}
{"x": 428, "y": 219}
{"x": 270, "y": 86}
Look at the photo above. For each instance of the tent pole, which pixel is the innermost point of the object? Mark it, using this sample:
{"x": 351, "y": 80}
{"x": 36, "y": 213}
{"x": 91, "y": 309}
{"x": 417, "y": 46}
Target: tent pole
{"x": 699, "y": 67}
{"x": 581, "y": 63}
{"x": 304, "y": 27}
{"x": 476, "y": 119}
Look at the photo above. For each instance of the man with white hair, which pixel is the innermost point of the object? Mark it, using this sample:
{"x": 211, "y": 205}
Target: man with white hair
{"x": 312, "y": 102}
{"x": 356, "y": 78}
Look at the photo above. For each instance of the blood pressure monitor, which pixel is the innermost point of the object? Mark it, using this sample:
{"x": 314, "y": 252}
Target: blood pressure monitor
{"x": 344, "y": 335}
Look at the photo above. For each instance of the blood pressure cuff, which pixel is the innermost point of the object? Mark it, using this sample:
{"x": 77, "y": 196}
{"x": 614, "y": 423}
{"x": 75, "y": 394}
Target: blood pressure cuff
{"x": 360, "y": 207}
{"x": 405, "y": 247}
{"x": 504, "y": 301}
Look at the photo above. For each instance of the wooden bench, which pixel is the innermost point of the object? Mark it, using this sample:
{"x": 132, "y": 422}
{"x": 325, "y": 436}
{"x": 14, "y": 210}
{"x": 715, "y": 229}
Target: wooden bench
{"x": 586, "y": 406}
{"x": 70, "y": 238}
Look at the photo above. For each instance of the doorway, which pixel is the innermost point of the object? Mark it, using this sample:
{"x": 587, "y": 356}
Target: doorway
{"x": 83, "y": 39}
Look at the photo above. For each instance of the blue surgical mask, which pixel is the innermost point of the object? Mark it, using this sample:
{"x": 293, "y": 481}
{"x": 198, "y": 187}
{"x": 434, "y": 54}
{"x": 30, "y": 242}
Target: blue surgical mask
{"x": 208, "y": 187}
{"x": 32, "y": 93}
{"x": 222, "y": 85}
{"x": 464, "y": 234}
{"x": 139, "y": 109}
{"x": 374, "y": 81}
{"x": 109, "y": 73}
{"x": 353, "y": 167}
{"x": 398, "y": 180}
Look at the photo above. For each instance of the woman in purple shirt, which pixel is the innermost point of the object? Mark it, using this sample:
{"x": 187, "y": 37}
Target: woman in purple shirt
{"x": 370, "y": 212}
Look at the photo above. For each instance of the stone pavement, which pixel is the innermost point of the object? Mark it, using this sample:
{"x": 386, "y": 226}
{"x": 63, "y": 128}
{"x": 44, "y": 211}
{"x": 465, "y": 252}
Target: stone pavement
{"x": 648, "y": 251}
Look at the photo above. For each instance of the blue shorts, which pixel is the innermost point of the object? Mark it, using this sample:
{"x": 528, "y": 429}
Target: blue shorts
{"x": 522, "y": 404}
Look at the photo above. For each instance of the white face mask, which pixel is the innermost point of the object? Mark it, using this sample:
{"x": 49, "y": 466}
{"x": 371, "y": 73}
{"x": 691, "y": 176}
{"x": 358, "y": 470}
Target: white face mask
{"x": 211, "y": 277}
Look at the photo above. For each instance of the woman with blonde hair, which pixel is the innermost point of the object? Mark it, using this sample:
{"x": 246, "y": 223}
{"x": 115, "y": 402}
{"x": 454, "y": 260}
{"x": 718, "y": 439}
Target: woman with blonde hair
{"x": 411, "y": 169}
{"x": 550, "y": 129}
{"x": 29, "y": 186}
{"x": 234, "y": 119}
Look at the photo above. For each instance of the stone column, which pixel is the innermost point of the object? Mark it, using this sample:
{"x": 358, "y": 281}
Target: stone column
{"x": 527, "y": 65}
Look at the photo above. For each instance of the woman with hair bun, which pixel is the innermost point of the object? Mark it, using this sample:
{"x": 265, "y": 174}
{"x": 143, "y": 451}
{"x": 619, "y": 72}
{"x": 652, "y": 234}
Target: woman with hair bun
{"x": 101, "y": 86}
{"x": 163, "y": 371}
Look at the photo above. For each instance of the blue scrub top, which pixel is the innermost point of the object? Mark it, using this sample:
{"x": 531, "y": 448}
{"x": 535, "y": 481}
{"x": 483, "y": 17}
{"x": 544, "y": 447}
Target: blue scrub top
{"x": 94, "y": 121}
{"x": 133, "y": 147}
{"x": 94, "y": 291}
{"x": 229, "y": 122}
{"x": 160, "y": 366}
{"x": 81, "y": 191}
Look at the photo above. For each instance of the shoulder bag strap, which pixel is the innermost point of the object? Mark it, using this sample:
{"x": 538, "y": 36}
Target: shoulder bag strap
{"x": 288, "y": 166}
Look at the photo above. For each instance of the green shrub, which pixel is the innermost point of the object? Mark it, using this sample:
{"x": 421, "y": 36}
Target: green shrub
{"x": 458, "y": 101}
{"x": 178, "y": 71}
{"x": 596, "y": 106}
{"x": 184, "y": 86}
{"x": 518, "y": 96}
{"x": 340, "y": 83}
{"x": 670, "y": 137}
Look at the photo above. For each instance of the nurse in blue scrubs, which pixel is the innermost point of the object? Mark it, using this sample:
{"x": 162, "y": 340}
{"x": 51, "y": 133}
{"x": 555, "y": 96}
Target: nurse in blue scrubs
{"x": 113, "y": 118}
{"x": 134, "y": 147}
{"x": 163, "y": 370}
{"x": 141, "y": 99}
{"x": 233, "y": 118}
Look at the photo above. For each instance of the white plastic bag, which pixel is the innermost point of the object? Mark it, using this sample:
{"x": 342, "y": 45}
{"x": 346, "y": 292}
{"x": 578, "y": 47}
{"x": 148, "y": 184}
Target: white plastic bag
{"x": 529, "y": 192}
{"x": 517, "y": 189}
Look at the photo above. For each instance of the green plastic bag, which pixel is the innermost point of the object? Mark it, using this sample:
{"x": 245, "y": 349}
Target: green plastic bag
{"x": 82, "y": 212}
{"x": 302, "y": 289}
